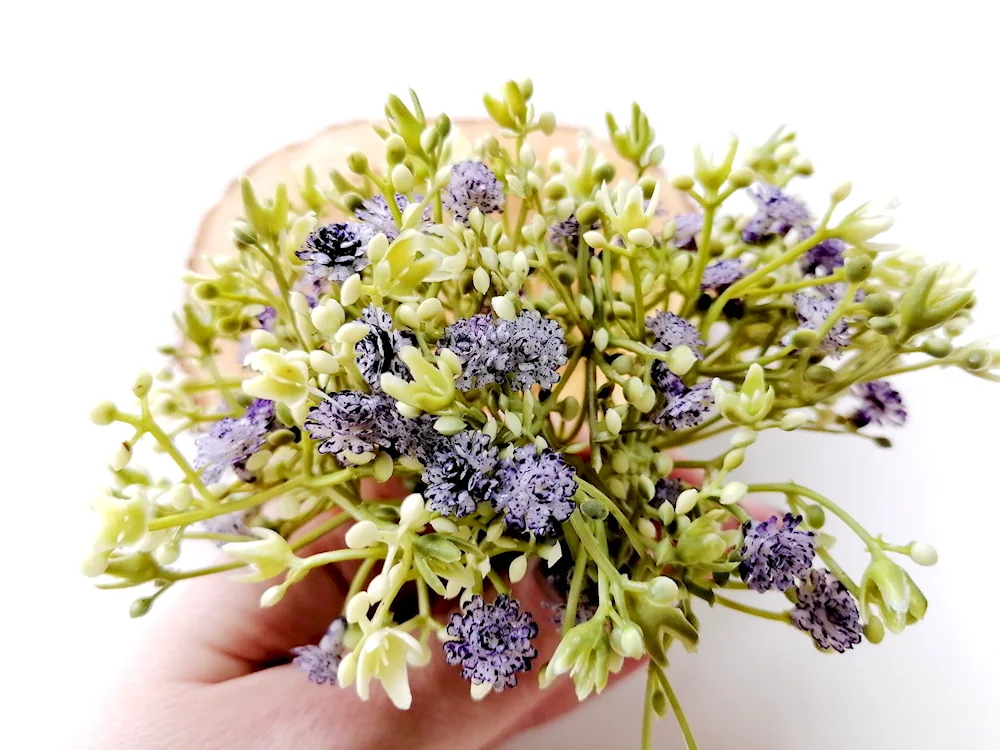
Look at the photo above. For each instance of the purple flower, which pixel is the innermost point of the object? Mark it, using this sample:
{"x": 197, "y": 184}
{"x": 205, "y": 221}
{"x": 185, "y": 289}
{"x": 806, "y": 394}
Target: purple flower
{"x": 776, "y": 214}
{"x": 812, "y": 312}
{"x": 472, "y": 185}
{"x": 827, "y": 611}
{"x": 321, "y": 662}
{"x": 721, "y": 274}
{"x": 522, "y": 352}
{"x": 536, "y": 348}
{"x": 774, "y": 556}
{"x": 566, "y": 233}
{"x": 492, "y": 641}
{"x": 267, "y": 317}
{"x": 688, "y": 228}
{"x": 534, "y": 490}
{"x": 376, "y": 217}
{"x": 881, "y": 404}
{"x": 685, "y": 407}
{"x": 825, "y": 257}
{"x": 230, "y": 524}
{"x": 230, "y": 442}
{"x": 457, "y": 474}
{"x": 667, "y": 490}
{"x": 336, "y": 251}
{"x": 357, "y": 423}
{"x": 376, "y": 352}
{"x": 559, "y": 579}
{"x": 672, "y": 330}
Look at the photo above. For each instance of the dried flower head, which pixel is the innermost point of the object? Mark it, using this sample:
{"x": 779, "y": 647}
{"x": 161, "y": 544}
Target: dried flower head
{"x": 774, "y": 555}
{"x": 321, "y": 662}
{"x": 534, "y": 490}
{"x": 355, "y": 423}
{"x": 457, "y": 474}
{"x": 231, "y": 441}
{"x": 376, "y": 352}
{"x": 880, "y": 404}
{"x": 777, "y": 214}
{"x": 492, "y": 642}
{"x": 472, "y": 185}
{"x": 722, "y": 274}
{"x": 335, "y": 251}
{"x": 826, "y": 610}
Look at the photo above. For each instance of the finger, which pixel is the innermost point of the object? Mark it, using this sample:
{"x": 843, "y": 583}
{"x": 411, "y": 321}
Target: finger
{"x": 216, "y": 629}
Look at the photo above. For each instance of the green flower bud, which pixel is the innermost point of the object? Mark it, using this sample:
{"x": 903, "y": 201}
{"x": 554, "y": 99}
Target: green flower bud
{"x": 142, "y": 384}
{"x": 352, "y": 201}
{"x": 803, "y": 338}
{"x": 742, "y": 177}
{"x": 815, "y": 516}
{"x": 547, "y": 123}
{"x": 976, "y": 360}
{"x": 620, "y": 462}
{"x": 874, "y": 630}
{"x": 584, "y": 652}
{"x": 432, "y": 388}
{"x": 357, "y": 162}
{"x": 429, "y": 139}
{"x": 879, "y": 304}
{"x": 569, "y": 407}
{"x": 819, "y": 374}
{"x": 927, "y": 303}
{"x": 626, "y": 640}
{"x": 937, "y": 348}
{"x": 593, "y": 509}
{"x": 884, "y": 326}
{"x": 889, "y": 588}
{"x": 682, "y": 182}
{"x": 140, "y": 607}
{"x": 858, "y": 269}
{"x": 104, "y": 414}
{"x": 587, "y": 214}
{"x": 751, "y": 403}
{"x": 395, "y": 149}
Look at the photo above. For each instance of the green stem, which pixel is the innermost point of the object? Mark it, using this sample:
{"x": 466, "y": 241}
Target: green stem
{"x": 647, "y": 711}
{"x": 675, "y": 704}
{"x": 756, "y": 611}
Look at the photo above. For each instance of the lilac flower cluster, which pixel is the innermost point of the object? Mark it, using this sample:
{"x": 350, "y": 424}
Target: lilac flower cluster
{"x": 880, "y": 404}
{"x": 492, "y": 642}
{"x": 688, "y": 228}
{"x": 722, "y": 274}
{"x": 522, "y": 352}
{"x": 320, "y": 662}
{"x": 336, "y": 251}
{"x": 812, "y": 312}
{"x": 472, "y": 185}
{"x": 826, "y": 610}
{"x": 361, "y": 423}
{"x": 534, "y": 490}
{"x": 457, "y": 473}
{"x": 231, "y": 441}
{"x": 774, "y": 555}
{"x": 667, "y": 491}
{"x": 376, "y": 217}
{"x": 823, "y": 258}
{"x": 672, "y": 330}
{"x": 376, "y": 352}
{"x": 777, "y": 214}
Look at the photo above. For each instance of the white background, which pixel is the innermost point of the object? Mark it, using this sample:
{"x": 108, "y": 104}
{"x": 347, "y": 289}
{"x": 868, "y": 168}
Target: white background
{"x": 122, "y": 124}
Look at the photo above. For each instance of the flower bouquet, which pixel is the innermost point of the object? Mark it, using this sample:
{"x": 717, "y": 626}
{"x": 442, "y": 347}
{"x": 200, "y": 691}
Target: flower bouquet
{"x": 520, "y": 354}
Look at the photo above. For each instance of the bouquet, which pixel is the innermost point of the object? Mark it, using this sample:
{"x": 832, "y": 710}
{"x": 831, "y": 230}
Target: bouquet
{"x": 520, "y": 358}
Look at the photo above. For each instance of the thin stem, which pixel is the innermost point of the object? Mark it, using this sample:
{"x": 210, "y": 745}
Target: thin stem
{"x": 675, "y": 704}
{"x": 749, "y": 610}
{"x": 647, "y": 710}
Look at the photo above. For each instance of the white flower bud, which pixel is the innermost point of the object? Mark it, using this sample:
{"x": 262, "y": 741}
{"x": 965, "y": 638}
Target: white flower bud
{"x": 663, "y": 590}
{"x": 261, "y": 339}
{"x": 121, "y": 457}
{"x": 527, "y": 156}
{"x": 640, "y": 237}
{"x": 382, "y": 467}
{"x": 793, "y": 420}
{"x": 323, "y": 362}
{"x": 411, "y": 509}
{"x": 743, "y": 438}
{"x": 491, "y": 428}
{"x": 444, "y": 526}
{"x": 627, "y": 641}
{"x": 350, "y": 292}
{"x": 732, "y": 492}
{"x": 351, "y": 333}
{"x": 104, "y": 413}
{"x": 489, "y": 258}
{"x": 481, "y": 280}
{"x": 178, "y": 497}
{"x": 686, "y": 501}
{"x": 479, "y": 690}
{"x": 518, "y": 568}
{"x": 733, "y": 459}
{"x": 613, "y": 421}
{"x": 601, "y": 339}
{"x": 587, "y": 307}
{"x": 362, "y": 534}
{"x": 595, "y": 239}
{"x": 841, "y": 192}
{"x": 324, "y": 319}
{"x": 680, "y": 360}
{"x": 504, "y": 308}
{"x": 922, "y": 553}
{"x": 513, "y": 423}
{"x": 646, "y": 528}
{"x": 449, "y": 425}
{"x": 402, "y": 178}
{"x": 520, "y": 265}
{"x": 429, "y": 309}
{"x": 664, "y": 463}
{"x": 357, "y": 607}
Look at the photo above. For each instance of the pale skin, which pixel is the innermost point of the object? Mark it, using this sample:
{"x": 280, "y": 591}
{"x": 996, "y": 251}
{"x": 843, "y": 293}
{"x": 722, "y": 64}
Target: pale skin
{"x": 213, "y": 673}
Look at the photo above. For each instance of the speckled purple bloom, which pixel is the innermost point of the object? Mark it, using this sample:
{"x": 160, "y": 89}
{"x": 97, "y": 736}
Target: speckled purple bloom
{"x": 376, "y": 352}
{"x": 667, "y": 490}
{"x": 773, "y": 556}
{"x": 522, "y": 352}
{"x": 320, "y": 662}
{"x": 827, "y": 611}
{"x": 812, "y": 312}
{"x": 267, "y": 317}
{"x": 880, "y": 404}
{"x": 356, "y": 423}
{"x": 534, "y": 490}
{"x": 722, "y": 274}
{"x": 824, "y": 258}
{"x": 559, "y": 578}
{"x": 230, "y": 442}
{"x": 336, "y": 251}
{"x": 376, "y": 217}
{"x": 688, "y": 228}
{"x": 685, "y": 407}
{"x": 492, "y": 641}
{"x": 672, "y": 330}
{"x": 457, "y": 474}
{"x": 566, "y": 233}
{"x": 777, "y": 213}
{"x": 472, "y": 185}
